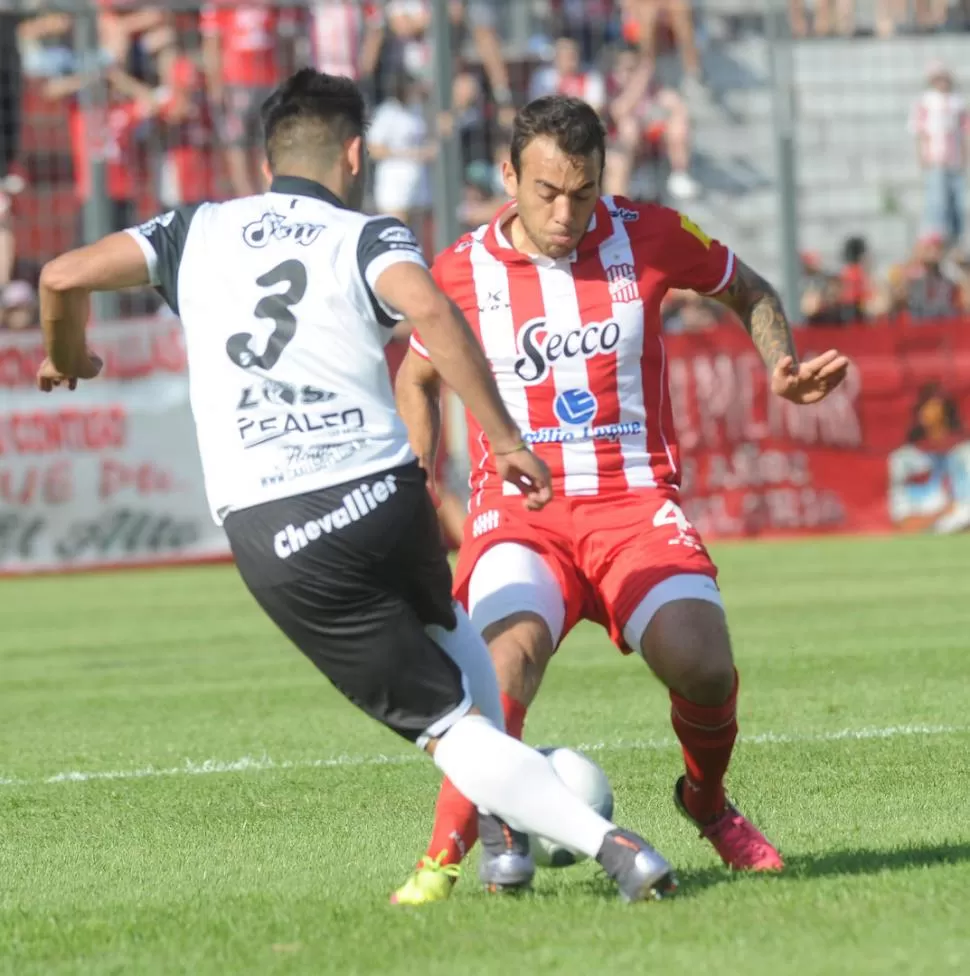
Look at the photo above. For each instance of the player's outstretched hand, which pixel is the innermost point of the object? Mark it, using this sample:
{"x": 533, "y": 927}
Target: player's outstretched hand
{"x": 529, "y": 474}
{"x": 48, "y": 377}
{"x": 810, "y": 381}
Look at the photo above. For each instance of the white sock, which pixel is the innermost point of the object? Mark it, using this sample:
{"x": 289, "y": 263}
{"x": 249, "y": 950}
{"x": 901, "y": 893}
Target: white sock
{"x": 464, "y": 645}
{"x": 507, "y": 778}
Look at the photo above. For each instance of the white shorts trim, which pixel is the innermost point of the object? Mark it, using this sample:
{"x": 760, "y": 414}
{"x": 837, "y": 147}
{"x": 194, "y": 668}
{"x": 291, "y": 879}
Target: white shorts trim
{"x": 685, "y": 586}
{"x": 438, "y": 729}
{"x": 512, "y": 578}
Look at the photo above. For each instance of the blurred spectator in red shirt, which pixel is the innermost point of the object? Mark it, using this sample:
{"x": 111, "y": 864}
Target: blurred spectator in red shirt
{"x": 187, "y": 167}
{"x": 105, "y": 133}
{"x": 644, "y": 118}
{"x": 346, "y": 37}
{"x": 567, "y": 75}
{"x": 855, "y": 285}
{"x": 244, "y": 62}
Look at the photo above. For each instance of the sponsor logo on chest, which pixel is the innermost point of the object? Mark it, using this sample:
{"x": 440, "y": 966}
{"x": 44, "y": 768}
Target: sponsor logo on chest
{"x": 541, "y": 346}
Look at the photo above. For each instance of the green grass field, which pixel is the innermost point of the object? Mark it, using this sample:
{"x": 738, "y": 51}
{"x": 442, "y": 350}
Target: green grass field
{"x": 182, "y": 793}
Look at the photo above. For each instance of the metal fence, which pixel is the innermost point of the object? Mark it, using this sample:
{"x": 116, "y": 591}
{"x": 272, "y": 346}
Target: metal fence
{"x": 800, "y": 152}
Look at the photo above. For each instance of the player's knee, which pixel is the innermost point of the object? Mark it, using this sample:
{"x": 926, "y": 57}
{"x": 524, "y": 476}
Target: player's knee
{"x": 521, "y": 647}
{"x": 688, "y": 647}
{"x": 706, "y": 679}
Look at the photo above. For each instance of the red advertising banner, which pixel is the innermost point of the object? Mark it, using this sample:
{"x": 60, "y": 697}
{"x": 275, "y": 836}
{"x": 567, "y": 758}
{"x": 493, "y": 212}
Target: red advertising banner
{"x": 108, "y": 475}
{"x": 888, "y": 450}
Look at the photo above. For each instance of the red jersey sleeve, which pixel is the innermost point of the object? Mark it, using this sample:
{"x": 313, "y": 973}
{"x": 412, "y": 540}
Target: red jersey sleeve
{"x": 443, "y": 273}
{"x": 693, "y": 259}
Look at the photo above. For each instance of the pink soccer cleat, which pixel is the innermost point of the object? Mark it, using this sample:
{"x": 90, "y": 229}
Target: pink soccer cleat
{"x": 741, "y": 845}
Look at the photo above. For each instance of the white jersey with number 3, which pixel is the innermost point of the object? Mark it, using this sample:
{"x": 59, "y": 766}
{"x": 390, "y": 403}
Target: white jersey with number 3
{"x": 285, "y": 338}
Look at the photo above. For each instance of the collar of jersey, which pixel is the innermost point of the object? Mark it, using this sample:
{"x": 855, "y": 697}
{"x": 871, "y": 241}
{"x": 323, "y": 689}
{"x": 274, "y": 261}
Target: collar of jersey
{"x": 499, "y": 246}
{"x": 299, "y": 186}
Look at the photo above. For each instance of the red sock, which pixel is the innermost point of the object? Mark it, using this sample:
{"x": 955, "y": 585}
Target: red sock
{"x": 707, "y": 735}
{"x": 455, "y": 818}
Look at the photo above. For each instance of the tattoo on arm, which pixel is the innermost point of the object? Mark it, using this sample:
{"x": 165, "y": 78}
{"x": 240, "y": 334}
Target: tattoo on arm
{"x": 759, "y": 307}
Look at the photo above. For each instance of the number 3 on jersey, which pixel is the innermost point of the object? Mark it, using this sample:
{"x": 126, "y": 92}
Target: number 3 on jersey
{"x": 276, "y": 307}
{"x": 671, "y": 514}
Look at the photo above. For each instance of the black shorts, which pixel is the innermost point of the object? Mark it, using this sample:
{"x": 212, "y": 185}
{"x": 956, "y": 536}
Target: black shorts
{"x": 353, "y": 575}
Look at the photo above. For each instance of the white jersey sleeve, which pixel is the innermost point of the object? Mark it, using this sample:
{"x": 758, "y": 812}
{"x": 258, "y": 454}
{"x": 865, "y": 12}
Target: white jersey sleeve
{"x": 162, "y": 241}
{"x": 385, "y": 241}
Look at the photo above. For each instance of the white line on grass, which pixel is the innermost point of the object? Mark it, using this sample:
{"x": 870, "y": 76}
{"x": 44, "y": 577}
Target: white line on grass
{"x": 251, "y": 764}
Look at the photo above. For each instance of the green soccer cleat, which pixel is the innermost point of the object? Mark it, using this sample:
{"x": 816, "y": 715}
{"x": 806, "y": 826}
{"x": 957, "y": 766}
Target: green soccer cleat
{"x": 432, "y": 881}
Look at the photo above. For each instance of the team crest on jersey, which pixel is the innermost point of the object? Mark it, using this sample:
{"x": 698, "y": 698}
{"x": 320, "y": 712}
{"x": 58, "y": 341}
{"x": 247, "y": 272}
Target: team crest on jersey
{"x": 463, "y": 246}
{"x": 688, "y": 225}
{"x": 622, "y": 280}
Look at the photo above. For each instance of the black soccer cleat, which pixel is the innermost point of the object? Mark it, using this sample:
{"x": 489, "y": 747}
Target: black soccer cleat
{"x": 506, "y": 864}
{"x": 639, "y": 871}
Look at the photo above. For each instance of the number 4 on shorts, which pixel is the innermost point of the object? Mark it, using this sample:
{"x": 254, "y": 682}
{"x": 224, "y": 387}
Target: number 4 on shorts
{"x": 670, "y": 514}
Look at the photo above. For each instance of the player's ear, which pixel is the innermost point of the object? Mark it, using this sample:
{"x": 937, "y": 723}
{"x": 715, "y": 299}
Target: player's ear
{"x": 509, "y": 179}
{"x": 267, "y": 174}
{"x": 355, "y": 154}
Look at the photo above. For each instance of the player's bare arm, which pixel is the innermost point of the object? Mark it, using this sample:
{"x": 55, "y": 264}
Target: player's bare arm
{"x": 418, "y": 391}
{"x": 461, "y": 363}
{"x": 760, "y": 309}
{"x": 66, "y": 284}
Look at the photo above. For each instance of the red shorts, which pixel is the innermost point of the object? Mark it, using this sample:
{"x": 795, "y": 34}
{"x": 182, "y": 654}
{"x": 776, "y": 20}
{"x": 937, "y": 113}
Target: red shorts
{"x": 607, "y": 552}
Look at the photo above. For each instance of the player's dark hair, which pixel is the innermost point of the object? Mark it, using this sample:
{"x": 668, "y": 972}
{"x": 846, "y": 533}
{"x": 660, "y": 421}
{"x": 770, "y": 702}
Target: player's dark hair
{"x": 312, "y": 114}
{"x": 571, "y": 122}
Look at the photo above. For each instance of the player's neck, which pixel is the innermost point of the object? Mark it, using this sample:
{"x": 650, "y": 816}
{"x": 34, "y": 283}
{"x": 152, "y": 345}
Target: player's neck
{"x": 519, "y": 237}
{"x": 327, "y": 180}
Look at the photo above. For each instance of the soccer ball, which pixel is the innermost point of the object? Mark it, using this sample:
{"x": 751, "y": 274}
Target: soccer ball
{"x": 589, "y": 783}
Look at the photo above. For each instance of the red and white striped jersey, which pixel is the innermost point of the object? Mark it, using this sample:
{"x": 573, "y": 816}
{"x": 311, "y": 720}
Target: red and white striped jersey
{"x": 575, "y": 344}
{"x": 941, "y": 122}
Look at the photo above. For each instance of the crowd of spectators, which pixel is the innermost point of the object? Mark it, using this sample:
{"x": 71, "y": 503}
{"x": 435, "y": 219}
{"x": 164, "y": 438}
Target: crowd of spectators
{"x": 168, "y": 99}
{"x": 838, "y": 18}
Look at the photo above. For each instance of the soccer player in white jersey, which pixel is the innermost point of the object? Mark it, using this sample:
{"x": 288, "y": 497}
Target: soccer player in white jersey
{"x": 563, "y": 290}
{"x": 287, "y": 299}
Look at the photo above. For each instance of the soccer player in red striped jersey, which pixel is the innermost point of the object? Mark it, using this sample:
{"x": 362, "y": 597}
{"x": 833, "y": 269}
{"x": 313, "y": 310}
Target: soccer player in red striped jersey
{"x": 563, "y": 289}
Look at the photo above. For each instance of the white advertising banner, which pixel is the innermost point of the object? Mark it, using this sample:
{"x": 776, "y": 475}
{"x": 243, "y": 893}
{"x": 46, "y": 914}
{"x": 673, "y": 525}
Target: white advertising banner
{"x": 109, "y": 474}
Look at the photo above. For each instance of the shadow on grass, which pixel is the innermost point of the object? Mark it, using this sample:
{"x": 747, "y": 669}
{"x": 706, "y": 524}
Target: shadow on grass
{"x": 833, "y": 864}
{"x": 799, "y": 867}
